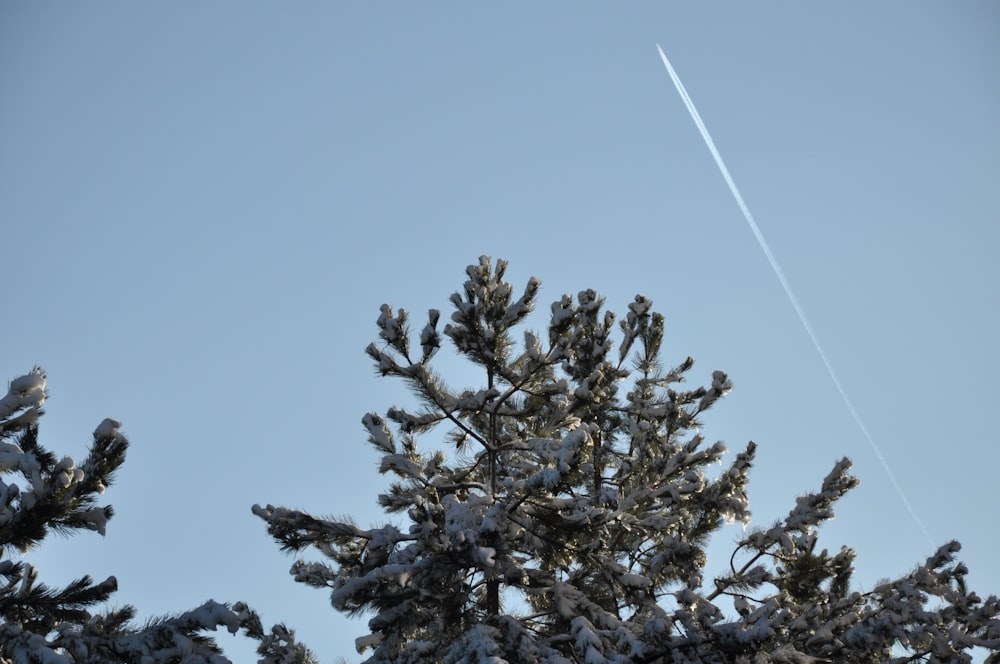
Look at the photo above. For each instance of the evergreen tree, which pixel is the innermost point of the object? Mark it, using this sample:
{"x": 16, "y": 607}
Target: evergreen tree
{"x": 55, "y": 625}
{"x": 564, "y": 513}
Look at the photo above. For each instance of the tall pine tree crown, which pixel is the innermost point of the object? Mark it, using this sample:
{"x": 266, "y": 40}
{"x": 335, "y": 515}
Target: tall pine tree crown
{"x": 564, "y": 514}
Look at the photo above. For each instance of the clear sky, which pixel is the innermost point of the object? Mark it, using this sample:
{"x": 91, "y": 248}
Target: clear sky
{"x": 204, "y": 204}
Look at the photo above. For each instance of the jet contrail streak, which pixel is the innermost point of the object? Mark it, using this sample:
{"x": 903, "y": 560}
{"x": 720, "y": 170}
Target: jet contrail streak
{"x": 788, "y": 289}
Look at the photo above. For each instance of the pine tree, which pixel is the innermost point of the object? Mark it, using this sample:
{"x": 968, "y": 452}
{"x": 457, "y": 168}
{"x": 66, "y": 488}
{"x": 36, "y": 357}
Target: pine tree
{"x": 55, "y": 625}
{"x": 563, "y": 513}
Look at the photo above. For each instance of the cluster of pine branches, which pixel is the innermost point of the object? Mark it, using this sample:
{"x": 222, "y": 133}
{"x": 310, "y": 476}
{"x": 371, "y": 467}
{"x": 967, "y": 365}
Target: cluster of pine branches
{"x": 557, "y": 512}
{"x": 562, "y": 515}
{"x": 60, "y": 625}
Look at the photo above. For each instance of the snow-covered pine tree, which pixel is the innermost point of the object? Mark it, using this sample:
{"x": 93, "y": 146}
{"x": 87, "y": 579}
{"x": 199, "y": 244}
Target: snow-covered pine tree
{"x": 39, "y": 624}
{"x": 563, "y": 516}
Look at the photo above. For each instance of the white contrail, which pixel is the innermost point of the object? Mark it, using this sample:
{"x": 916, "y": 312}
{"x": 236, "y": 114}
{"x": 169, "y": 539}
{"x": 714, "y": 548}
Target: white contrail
{"x": 788, "y": 289}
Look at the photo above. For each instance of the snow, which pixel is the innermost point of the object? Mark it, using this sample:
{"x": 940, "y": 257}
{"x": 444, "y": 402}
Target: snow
{"x": 363, "y": 643}
{"x": 562, "y": 311}
{"x": 108, "y": 428}
{"x": 400, "y": 465}
{"x": 30, "y": 387}
{"x": 379, "y": 432}
{"x": 635, "y": 581}
{"x": 24, "y": 392}
{"x": 10, "y": 456}
{"x": 486, "y": 556}
{"x": 96, "y": 519}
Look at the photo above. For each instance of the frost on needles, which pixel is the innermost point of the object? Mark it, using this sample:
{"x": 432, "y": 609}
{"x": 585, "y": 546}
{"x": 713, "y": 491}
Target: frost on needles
{"x": 40, "y": 624}
{"x": 560, "y": 511}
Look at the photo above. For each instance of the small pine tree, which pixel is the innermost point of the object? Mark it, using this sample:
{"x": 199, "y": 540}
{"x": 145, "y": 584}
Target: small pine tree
{"x": 565, "y": 512}
{"x": 56, "y": 626}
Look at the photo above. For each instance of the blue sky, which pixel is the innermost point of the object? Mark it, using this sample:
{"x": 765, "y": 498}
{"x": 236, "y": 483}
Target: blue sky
{"x": 204, "y": 204}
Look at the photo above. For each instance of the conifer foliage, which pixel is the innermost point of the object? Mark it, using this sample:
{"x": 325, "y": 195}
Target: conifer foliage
{"x": 55, "y": 625}
{"x": 559, "y": 512}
